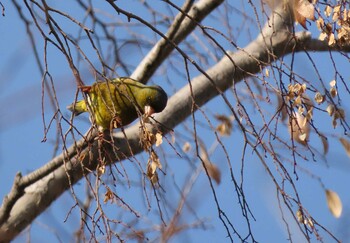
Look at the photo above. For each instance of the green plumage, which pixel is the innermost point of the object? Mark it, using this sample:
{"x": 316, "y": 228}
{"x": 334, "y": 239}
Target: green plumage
{"x": 119, "y": 102}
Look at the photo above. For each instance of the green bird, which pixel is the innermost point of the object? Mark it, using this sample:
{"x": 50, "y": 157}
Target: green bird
{"x": 119, "y": 102}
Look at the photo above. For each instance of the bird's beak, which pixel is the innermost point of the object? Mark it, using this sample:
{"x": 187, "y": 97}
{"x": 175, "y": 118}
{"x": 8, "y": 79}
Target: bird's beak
{"x": 148, "y": 110}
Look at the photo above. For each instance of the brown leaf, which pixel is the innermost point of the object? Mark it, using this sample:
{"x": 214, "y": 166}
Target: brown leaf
{"x": 319, "y": 98}
{"x": 299, "y": 129}
{"x": 303, "y": 10}
{"x": 186, "y": 147}
{"x": 330, "y": 109}
{"x": 333, "y": 92}
{"x": 346, "y": 145}
{"x": 212, "y": 169}
{"x": 101, "y": 170}
{"x": 303, "y": 219}
{"x": 225, "y": 126}
{"x": 152, "y": 166}
{"x": 159, "y": 139}
{"x": 334, "y": 203}
{"x": 108, "y": 196}
{"x": 214, "y": 172}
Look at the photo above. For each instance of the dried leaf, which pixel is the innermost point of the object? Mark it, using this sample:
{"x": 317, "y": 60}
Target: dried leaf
{"x": 334, "y": 123}
{"x": 309, "y": 115}
{"x": 319, "y": 98}
{"x": 332, "y": 83}
{"x": 346, "y": 145}
{"x": 147, "y": 138}
{"x": 212, "y": 169}
{"x": 186, "y": 147}
{"x": 339, "y": 114}
{"x": 336, "y": 13}
{"x": 299, "y": 129}
{"x": 323, "y": 36}
{"x": 214, "y": 172}
{"x": 101, "y": 170}
{"x": 267, "y": 72}
{"x": 159, "y": 139}
{"x": 320, "y": 23}
{"x": 108, "y": 196}
{"x": 152, "y": 166}
{"x": 297, "y": 101}
{"x": 303, "y": 219}
{"x": 303, "y": 137}
{"x": 334, "y": 203}
{"x": 225, "y": 127}
{"x": 330, "y": 109}
{"x": 328, "y": 11}
{"x": 154, "y": 178}
{"x": 303, "y": 10}
{"x": 300, "y": 217}
{"x": 333, "y": 92}
{"x": 325, "y": 144}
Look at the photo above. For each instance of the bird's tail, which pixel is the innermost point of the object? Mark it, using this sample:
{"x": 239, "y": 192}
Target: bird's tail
{"x": 78, "y": 107}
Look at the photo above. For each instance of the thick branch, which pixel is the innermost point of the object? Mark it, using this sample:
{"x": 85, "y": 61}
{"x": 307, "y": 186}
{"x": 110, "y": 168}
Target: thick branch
{"x": 178, "y": 31}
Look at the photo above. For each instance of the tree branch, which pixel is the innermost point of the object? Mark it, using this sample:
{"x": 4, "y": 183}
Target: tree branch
{"x": 181, "y": 27}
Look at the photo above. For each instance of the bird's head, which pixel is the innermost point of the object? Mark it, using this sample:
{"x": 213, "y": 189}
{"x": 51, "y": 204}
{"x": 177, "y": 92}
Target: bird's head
{"x": 156, "y": 100}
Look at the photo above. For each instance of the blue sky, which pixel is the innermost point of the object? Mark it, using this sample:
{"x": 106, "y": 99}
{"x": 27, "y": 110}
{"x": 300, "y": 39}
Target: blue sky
{"x": 22, "y": 149}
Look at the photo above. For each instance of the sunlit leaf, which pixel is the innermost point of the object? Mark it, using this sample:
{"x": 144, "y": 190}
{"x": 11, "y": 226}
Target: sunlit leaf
{"x": 331, "y": 39}
{"x": 303, "y": 10}
{"x": 108, "y": 196}
{"x": 322, "y": 36}
{"x": 186, "y": 147}
{"x": 328, "y": 11}
{"x": 330, "y": 109}
{"x": 332, "y": 83}
{"x": 334, "y": 203}
{"x": 267, "y": 72}
{"x": 152, "y": 166}
{"x": 299, "y": 129}
{"x": 225, "y": 126}
{"x": 159, "y": 139}
{"x": 320, "y": 23}
{"x": 336, "y": 13}
{"x": 319, "y": 98}
{"x": 346, "y": 145}
{"x": 303, "y": 219}
{"x": 101, "y": 170}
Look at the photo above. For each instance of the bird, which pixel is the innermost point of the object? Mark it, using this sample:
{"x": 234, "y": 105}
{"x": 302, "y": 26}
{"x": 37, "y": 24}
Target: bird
{"x": 118, "y": 102}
